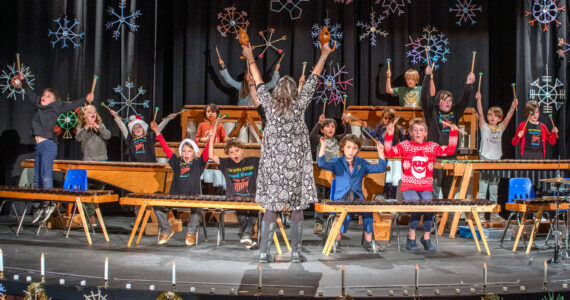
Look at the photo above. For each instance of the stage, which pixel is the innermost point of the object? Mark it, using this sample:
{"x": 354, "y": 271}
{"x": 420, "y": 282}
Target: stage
{"x": 207, "y": 271}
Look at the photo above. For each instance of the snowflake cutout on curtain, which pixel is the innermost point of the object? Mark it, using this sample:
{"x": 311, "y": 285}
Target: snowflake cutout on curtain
{"x": 2, "y": 290}
{"x": 67, "y": 124}
{"x": 9, "y": 83}
{"x": 121, "y": 19}
{"x": 94, "y": 296}
{"x": 545, "y": 12}
{"x": 268, "y": 42}
{"x": 292, "y": 6}
{"x": 335, "y": 32}
{"x": 393, "y": 6}
{"x": 465, "y": 11}
{"x": 563, "y": 47}
{"x": 372, "y": 29}
{"x": 333, "y": 87}
{"x": 347, "y": 2}
{"x": 548, "y": 96}
{"x": 231, "y": 21}
{"x": 65, "y": 33}
{"x": 128, "y": 101}
{"x": 435, "y": 43}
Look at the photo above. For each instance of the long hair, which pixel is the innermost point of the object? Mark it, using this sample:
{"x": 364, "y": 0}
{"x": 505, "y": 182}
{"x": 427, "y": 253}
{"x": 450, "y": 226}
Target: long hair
{"x": 82, "y": 115}
{"x": 283, "y": 94}
{"x": 244, "y": 91}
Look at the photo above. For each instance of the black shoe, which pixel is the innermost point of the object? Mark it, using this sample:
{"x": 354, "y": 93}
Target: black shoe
{"x": 369, "y": 246}
{"x": 427, "y": 244}
{"x": 296, "y": 241}
{"x": 411, "y": 245}
{"x": 264, "y": 257}
{"x": 296, "y": 257}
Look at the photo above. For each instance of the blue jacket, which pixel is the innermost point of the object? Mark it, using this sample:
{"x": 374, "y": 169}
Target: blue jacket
{"x": 346, "y": 181}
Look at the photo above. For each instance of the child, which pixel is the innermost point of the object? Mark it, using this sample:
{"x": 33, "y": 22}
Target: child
{"x": 349, "y": 171}
{"x": 241, "y": 176}
{"x": 418, "y": 158}
{"x": 535, "y": 132}
{"x": 205, "y": 129}
{"x": 491, "y": 135}
{"x": 243, "y": 87}
{"x": 48, "y": 109}
{"x": 186, "y": 181}
{"x": 409, "y": 96}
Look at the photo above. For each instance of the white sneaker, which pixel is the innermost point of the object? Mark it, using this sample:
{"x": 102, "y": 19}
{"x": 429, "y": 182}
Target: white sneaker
{"x": 38, "y": 214}
{"x": 48, "y": 211}
{"x": 246, "y": 241}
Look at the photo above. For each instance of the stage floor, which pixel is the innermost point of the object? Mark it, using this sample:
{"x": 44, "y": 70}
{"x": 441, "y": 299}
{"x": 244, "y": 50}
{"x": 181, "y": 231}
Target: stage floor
{"x": 231, "y": 268}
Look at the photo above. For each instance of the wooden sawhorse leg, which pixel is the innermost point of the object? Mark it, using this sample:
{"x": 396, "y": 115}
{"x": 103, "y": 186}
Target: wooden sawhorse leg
{"x": 100, "y": 218}
{"x": 520, "y": 231}
{"x": 535, "y": 229}
{"x": 283, "y": 234}
{"x": 147, "y": 214}
{"x": 334, "y": 232}
{"x": 83, "y": 219}
{"x": 465, "y": 180}
{"x": 475, "y": 215}
{"x": 470, "y": 218}
{"x": 142, "y": 210}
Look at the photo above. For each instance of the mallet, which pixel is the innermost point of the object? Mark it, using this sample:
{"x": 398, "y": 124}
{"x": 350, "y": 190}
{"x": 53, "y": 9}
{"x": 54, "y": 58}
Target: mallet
{"x": 368, "y": 134}
{"x": 155, "y": 112}
{"x": 18, "y": 63}
{"x": 388, "y": 62}
{"x": 515, "y": 94}
{"x": 552, "y": 121}
{"x": 529, "y": 115}
{"x": 107, "y": 107}
{"x": 304, "y": 67}
{"x": 95, "y": 77}
{"x": 344, "y": 103}
{"x": 184, "y": 110}
{"x": 281, "y": 58}
{"x": 458, "y": 129}
{"x": 473, "y": 61}
{"x": 324, "y": 105}
{"x": 480, "y": 78}
{"x": 221, "y": 117}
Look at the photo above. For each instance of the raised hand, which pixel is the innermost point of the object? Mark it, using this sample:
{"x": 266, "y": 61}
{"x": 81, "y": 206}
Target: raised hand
{"x": 221, "y": 63}
{"x": 515, "y": 103}
{"x": 89, "y": 97}
{"x": 344, "y": 118}
{"x": 321, "y": 119}
{"x": 470, "y": 78}
{"x": 478, "y": 96}
{"x": 154, "y": 127}
{"x": 325, "y": 49}
{"x": 247, "y": 52}
{"x": 429, "y": 70}
{"x": 388, "y": 73}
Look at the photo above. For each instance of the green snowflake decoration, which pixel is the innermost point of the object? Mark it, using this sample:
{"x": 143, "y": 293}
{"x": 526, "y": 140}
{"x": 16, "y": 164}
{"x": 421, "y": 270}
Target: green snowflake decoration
{"x": 67, "y": 124}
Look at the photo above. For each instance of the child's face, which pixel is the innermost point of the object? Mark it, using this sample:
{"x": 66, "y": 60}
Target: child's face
{"x": 328, "y": 130}
{"x": 418, "y": 133}
{"x": 236, "y": 154}
{"x": 187, "y": 153}
{"x": 535, "y": 115}
{"x": 445, "y": 104}
{"x": 91, "y": 114}
{"x": 411, "y": 82}
{"x": 138, "y": 130}
{"x": 350, "y": 150}
{"x": 47, "y": 98}
{"x": 386, "y": 119}
{"x": 211, "y": 115}
{"x": 492, "y": 118}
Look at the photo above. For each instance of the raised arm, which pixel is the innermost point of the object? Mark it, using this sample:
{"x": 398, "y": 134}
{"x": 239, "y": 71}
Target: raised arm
{"x": 120, "y": 124}
{"x": 274, "y": 78}
{"x": 314, "y": 135}
{"x": 510, "y": 113}
{"x": 161, "y": 140}
{"x": 389, "y": 89}
{"x": 253, "y": 70}
{"x": 466, "y": 96}
{"x": 165, "y": 121}
{"x": 325, "y": 51}
{"x": 427, "y": 104}
{"x": 229, "y": 80}
{"x": 518, "y": 135}
{"x": 431, "y": 86}
{"x": 450, "y": 148}
{"x": 480, "y": 113}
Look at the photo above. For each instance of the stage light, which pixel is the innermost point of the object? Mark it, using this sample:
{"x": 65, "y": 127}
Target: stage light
{"x": 62, "y": 281}
{"x": 151, "y": 287}
{"x": 128, "y": 286}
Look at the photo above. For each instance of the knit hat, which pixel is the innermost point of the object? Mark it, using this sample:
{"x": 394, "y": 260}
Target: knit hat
{"x": 136, "y": 119}
{"x": 192, "y": 143}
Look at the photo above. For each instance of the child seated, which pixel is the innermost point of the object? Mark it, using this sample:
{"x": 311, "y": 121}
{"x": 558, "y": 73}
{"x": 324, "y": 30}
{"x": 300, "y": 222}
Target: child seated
{"x": 409, "y": 95}
{"x": 206, "y": 128}
{"x": 349, "y": 171}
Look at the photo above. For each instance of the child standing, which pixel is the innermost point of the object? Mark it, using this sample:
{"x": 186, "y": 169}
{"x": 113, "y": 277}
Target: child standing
{"x": 533, "y": 135}
{"x": 349, "y": 171}
{"x": 418, "y": 158}
{"x": 206, "y": 128}
{"x": 409, "y": 95}
{"x": 187, "y": 170}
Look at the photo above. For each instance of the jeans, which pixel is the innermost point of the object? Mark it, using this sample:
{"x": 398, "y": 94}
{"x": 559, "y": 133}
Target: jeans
{"x": 162, "y": 218}
{"x": 367, "y": 222}
{"x": 415, "y": 217}
{"x": 46, "y": 152}
{"x": 489, "y": 182}
{"x": 247, "y": 220}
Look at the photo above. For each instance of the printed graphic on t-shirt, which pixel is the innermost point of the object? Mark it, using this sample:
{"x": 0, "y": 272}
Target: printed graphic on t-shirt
{"x": 411, "y": 99}
{"x": 139, "y": 145}
{"x": 494, "y": 135}
{"x": 445, "y": 119}
{"x": 240, "y": 179}
{"x": 185, "y": 169}
{"x": 535, "y": 136}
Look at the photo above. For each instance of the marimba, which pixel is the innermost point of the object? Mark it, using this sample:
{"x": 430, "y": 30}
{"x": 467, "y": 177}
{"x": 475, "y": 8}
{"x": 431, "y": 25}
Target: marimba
{"x": 60, "y": 195}
{"x": 471, "y": 208}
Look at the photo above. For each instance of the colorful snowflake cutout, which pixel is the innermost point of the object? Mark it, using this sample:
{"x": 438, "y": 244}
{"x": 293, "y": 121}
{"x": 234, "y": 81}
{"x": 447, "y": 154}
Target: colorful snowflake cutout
{"x": 67, "y": 124}
{"x": 333, "y": 85}
{"x": 347, "y": 2}
{"x": 2, "y": 290}
{"x": 335, "y": 32}
{"x": 231, "y": 21}
{"x": 548, "y": 96}
{"x": 545, "y": 12}
{"x": 66, "y": 33}
{"x": 465, "y": 11}
{"x": 393, "y": 6}
{"x": 12, "y": 85}
{"x": 268, "y": 42}
{"x": 128, "y": 101}
{"x": 122, "y": 19}
{"x": 563, "y": 47}
{"x": 435, "y": 43}
{"x": 291, "y": 6}
{"x": 372, "y": 29}
{"x": 93, "y": 296}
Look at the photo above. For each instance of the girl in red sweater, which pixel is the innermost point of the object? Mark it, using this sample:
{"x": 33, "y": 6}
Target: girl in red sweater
{"x": 533, "y": 134}
{"x": 418, "y": 157}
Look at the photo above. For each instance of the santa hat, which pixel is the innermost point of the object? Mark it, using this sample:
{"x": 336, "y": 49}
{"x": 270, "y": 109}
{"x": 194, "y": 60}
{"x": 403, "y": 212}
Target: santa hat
{"x": 192, "y": 143}
{"x": 136, "y": 119}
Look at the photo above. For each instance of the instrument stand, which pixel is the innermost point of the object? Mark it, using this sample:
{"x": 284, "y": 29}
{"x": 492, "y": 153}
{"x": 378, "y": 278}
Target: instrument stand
{"x": 557, "y": 233}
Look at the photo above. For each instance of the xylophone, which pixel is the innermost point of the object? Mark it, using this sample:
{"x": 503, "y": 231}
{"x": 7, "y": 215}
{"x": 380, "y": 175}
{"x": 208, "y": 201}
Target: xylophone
{"x": 471, "y": 208}
{"x": 60, "y": 195}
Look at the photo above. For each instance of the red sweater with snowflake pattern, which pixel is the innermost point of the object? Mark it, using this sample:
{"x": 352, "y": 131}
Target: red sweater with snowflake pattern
{"x": 418, "y": 160}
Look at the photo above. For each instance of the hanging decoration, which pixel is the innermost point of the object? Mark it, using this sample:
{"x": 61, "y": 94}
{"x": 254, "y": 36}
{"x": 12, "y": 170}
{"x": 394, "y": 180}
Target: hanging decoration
{"x": 93, "y": 296}
{"x": 545, "y": 12}
{"x": 465, "y": 11}
{"x": 122, "y": 19}
{"x": 35, "y": 291}
{"x": 291, "y": 6}
{"x": 347, "y": 2}
{"x": 231, "y": 21}
{"x": 268, "y": 42}
{"x": 372, "y": 29}
{"x": 433, "y": 42}
{"x": 549, "y": 96}
{"x": 332, "y": 85}
{"x": 12, "y": 85}
{"x": 65, "y": 33}
{"x": 128, "y": 100}
{"x": 67, "y": 124}
{"x": 563, "y": 47}
{"x": 334, "y": 30}
{"x": 393, "y": 6}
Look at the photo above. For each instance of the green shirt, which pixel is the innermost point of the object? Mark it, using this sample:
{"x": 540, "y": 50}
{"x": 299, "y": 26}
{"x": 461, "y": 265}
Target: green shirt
{"x": 409, "y": 97}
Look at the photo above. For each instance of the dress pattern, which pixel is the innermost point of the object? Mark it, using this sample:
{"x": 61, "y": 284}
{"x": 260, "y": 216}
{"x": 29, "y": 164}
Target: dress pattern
{"x": 285, "y": 180}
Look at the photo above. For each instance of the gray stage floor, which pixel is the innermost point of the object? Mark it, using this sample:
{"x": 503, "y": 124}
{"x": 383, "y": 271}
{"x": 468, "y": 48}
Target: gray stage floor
{"x": 232, "y": 268}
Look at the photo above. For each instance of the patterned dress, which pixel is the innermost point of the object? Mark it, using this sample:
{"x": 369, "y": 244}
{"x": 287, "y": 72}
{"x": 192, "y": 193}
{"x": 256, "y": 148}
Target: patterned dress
{"x": 285, "y": 180}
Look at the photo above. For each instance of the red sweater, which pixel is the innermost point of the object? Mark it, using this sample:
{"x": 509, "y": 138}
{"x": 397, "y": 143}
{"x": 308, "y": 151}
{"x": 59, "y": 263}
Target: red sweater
{"x": 418, "y": 160}
{"x": 544, "y": 134}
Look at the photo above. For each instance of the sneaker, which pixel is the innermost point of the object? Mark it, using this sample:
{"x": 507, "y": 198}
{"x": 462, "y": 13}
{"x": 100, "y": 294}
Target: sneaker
{"x": 246, "y": 241}
{"x": 190, "y": 239}
{"x": 318, "y": 229}
{"x": 48, "y": 211}
{"x": 495, "y": 217}
{"x": 336, "y": 244}
{"x": 164, "y": 237}
{"x": 411, "y": 245}
{"x": 369, "y": 246}
{"x": 427, "y": 244}
{"x": 252, "y": 246}
{"x": 38, "y": 214}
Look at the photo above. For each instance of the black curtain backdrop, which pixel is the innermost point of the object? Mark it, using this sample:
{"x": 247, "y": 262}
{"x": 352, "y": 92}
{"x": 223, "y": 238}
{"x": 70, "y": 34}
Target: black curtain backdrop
{"x": 172, "y": 56}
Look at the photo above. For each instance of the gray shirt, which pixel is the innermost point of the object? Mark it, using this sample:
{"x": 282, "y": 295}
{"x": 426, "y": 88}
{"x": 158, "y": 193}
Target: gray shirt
{"x": 93, "y": 142}
{"x": 237, "y": 85}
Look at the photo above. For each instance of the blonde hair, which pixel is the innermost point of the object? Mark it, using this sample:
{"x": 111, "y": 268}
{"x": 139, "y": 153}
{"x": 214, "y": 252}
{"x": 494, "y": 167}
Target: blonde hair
{"x": 283, "y": 94}
{"x": 349, "y": 138}
{"x": 530, "y": 106}
{"x": 413, "y": 74}
{"x": 497, "y": 111}
{"x": 418, "y": 121}
{"x": 233, "y": 142}
{"x": 82, "y": 115}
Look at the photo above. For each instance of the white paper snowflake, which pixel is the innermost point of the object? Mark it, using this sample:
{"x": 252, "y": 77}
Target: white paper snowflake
{"x": 121, "y": 19}
{"x": 435, "y": 43}
{"x": 563, "y": 47}
{"x": 13, "y": 86}
{"x": 291, "y": 6}
{"x": 336, "y": 33}
{"x": 347, "y": 2}
{"x": 94, "y": 296}
{"x": 65, "y": 33}
{"x": 548, "y": 96}
{"x": 333, "y": 85}
{"x": 545, "y": 12}
{"x": 231, "y": 21}
{"x": 393, "y": 6}
{"x": 465, "y": 11}
{"x": 268, "y": 42}
{"x": 128, "y": 101}
{"x": 372, "y": 29}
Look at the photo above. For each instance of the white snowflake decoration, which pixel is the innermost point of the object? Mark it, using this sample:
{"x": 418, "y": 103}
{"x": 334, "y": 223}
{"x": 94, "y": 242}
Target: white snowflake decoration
{"x": 9, "y": 83}
{"x": 231, "y": 21}
{"x": 94, "y": 296}
{"x": 122, "y": 19}
{"x": 127, "y": 101}
{"x": 548, "y": 96}
{"x": 268, "y": 42}
{"x": 545, "y": 12}
{"x": 393, "y": 6}
{"x": 291, "y": 6}
{"x": 563, "y": 47}
{"x": 435, "y": 43}
{"x": 465, "y": 11}
{"x": 335, "y": 32}
{"x": 372, "y": 29}
{"x": 347, "y": 2}
{"x": 65, "y": 33}
{"x": 334, "y": 88}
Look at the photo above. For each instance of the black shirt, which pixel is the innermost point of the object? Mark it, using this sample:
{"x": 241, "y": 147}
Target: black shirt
{"x": 533, "y": 140}
{"x": 141, "y": 149}
{"x": 186, "y": 180}
{"x": 240, "y": 177}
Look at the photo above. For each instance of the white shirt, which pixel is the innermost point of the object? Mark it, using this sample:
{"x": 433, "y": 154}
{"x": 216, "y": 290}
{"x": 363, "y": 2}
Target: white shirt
{"x": 491, "y": 141}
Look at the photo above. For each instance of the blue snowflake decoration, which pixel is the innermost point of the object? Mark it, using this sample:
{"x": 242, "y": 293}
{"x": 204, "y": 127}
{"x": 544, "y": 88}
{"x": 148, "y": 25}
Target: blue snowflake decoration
{"x": 121, "y": 19}
{"x": 372, "y": 29}
{"x": 435, "y": 43}
{"x": 336, "y": 33}
{"x": 465, "y": 11}
{"x": 548, "y": 96}
{"x": 333, "y": 85}
{"x": 545, "y": 12}
{"x": 66, "y": 33}
{"x": 291, "y": 6}
{"x": 2, "y": 290}
{"x": 128, "y": 101}
{"x": 393, "y": 6}
{"x": 12, "y": 85}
